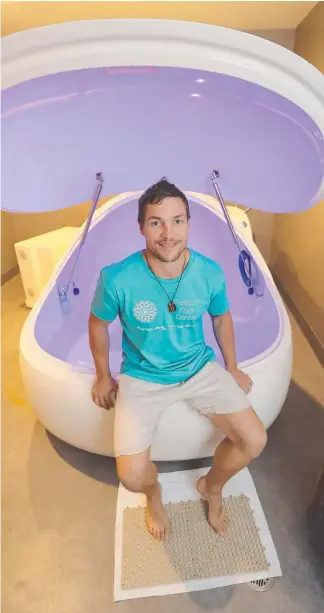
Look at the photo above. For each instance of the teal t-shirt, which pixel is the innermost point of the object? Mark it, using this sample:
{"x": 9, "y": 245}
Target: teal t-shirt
{"x": 157, "y": 345}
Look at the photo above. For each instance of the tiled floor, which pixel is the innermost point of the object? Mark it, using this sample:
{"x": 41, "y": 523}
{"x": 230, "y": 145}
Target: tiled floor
{"x": 58, "y": 503}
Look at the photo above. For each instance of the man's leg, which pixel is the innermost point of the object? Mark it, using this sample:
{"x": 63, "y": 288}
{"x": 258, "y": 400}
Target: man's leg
{"x": 245, "y": 439}
{"x": 138, "y": 410}
{"x": 139, "y": 474}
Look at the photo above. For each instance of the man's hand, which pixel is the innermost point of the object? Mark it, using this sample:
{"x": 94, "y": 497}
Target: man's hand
{"x": 243, "y": 380}
{"x": 224, "y": 334}
{"x": 104, "y": 392}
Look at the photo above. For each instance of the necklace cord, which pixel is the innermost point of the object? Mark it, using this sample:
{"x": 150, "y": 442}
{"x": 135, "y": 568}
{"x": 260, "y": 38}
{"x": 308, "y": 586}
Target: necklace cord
{"x": 171, "y": 304}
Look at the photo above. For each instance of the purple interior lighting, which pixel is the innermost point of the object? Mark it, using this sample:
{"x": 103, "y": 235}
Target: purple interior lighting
{"x": 137, "y": 124}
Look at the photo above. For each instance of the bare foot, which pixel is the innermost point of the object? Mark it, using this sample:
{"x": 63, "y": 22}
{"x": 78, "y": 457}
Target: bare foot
{"x": 216, "y": 515}
{"x": 157, "y": 519}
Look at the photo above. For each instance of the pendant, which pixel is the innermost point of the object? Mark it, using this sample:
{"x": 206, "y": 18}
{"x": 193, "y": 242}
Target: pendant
{"x": 171, "y": 307}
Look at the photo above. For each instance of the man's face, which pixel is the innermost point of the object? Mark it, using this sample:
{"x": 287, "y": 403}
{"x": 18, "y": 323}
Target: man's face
{"x": 166, "y": 228}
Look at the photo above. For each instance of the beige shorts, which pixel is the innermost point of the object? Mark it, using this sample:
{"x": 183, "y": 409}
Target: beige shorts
{"x": 140, "y": 404}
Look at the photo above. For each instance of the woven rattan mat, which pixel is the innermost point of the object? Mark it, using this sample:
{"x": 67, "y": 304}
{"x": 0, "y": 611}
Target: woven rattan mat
{"x": 194, "y": 550}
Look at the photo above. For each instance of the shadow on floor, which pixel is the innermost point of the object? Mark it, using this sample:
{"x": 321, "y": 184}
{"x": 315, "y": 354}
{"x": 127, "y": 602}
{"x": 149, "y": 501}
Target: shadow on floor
{"x": 96, "y": 466}
{"x": 104, "y": 468}
{"x": 287, "y": 473}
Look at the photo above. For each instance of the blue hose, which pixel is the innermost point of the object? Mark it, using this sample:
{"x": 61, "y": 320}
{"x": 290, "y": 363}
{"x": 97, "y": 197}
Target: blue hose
{"x": 246, "y": 270}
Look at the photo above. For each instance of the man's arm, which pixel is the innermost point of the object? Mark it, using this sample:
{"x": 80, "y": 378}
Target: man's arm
{"x": 99, "y": 345}
{"x": 104, "y": 309}
{"x": 105, "y": 388}
{"x": 224, "y": 334}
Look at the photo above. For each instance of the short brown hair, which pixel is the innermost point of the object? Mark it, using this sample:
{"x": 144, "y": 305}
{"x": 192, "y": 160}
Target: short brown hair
{"x": 156, "y": 193}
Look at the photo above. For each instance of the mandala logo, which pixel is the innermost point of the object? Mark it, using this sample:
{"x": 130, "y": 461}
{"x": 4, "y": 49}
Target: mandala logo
{"x": 145, "y": 311}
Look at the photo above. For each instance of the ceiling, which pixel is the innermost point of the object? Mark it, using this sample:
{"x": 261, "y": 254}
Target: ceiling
{"x": 17, "y": 16}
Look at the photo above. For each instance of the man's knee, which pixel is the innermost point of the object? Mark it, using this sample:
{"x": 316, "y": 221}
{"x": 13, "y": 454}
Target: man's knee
{"x": 254, "y": 443}
{"x": 132, "y": 473}
{"x": 245, "y": 430}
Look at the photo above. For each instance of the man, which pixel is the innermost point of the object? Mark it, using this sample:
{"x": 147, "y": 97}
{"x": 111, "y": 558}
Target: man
{"x": 160, "y": 295}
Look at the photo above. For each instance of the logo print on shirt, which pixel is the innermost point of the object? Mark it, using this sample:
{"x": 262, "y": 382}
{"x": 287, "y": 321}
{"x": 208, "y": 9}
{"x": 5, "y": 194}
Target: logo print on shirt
{"x": 145, "y": 311}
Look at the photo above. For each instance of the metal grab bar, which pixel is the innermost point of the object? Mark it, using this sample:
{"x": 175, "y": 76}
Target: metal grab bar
{"x": 244, "y": 258}
{"x": 62, "y": 292}
{"x": 215, "y": 175}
